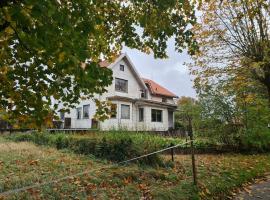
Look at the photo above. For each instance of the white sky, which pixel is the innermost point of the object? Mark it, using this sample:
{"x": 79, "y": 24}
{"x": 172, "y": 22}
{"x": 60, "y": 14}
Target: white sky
{"x": 170, "y": 73}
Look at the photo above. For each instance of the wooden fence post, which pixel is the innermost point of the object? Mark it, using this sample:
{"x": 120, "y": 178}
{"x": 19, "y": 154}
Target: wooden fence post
{"x": 192, "y": 153}
{"x": 172, "y": 152}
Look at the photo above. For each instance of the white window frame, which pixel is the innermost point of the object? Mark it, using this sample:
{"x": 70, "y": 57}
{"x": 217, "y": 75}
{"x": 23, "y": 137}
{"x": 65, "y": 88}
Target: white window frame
{"x": 122, "y": 67}
{"x": 141, "y": 117}
{"x": 119, "y": 90}
{"x": 79, "y": 113}
{"x": 156, "y": 115}
{"x": 125, "y": 105}
{"x": 85, "y": 110}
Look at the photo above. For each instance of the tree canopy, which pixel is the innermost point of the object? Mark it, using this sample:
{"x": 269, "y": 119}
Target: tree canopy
{"x": 231, "y": 68}
{"x": 234, "y": 42}
{"x": 43, "y": 45}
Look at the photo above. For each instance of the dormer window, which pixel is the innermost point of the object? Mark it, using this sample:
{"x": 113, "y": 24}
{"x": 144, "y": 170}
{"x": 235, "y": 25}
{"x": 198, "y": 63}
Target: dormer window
{"x": 122, "y": 67}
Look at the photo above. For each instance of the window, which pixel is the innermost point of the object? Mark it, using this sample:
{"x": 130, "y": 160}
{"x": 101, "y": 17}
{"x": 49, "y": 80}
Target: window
{"x": 125, "y": 111}
{"x": 141, "y": 114}
{"x": 113, "y": 110}
{"x": 86, "y": 111}
{"x": 62, "y": 115}
{"x": 121, "y": 85}
{"x": 79, "y": 113}
{"x": 156, "y": 115}
{"x": 143, "y": 94}
{"x": 164, "y": 99}
{"x": 122, "y": 68}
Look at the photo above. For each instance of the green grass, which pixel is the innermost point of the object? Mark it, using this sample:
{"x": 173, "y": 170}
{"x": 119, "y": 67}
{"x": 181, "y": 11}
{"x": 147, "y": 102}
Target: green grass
{"x": 114, "y": 146}
{"x": 23, "y": 163}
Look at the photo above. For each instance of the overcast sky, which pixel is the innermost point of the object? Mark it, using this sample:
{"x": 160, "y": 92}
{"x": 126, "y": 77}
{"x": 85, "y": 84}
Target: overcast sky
{"x": 170, "y": 73}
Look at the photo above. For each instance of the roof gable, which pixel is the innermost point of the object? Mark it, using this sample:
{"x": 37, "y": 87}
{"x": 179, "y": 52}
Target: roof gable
{"x": 125, "y": 57}
{"x": 154, "y": 88}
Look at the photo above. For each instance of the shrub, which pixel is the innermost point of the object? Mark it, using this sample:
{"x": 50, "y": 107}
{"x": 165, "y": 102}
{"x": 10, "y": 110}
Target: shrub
{"x": 112, "y": 146}
{"x": 255, "y": 141}
{"x": 41, "y": 139}
{"x": 61, "y": 141}
{"x": 83, "y": 145}
{"x": 21, "y": 137}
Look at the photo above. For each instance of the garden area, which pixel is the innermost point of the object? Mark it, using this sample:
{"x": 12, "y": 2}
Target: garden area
{"x": 51, "y": 159}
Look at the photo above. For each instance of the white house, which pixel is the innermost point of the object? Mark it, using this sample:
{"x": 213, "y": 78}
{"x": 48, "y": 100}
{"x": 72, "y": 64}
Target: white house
{"x": 140, "y": 104}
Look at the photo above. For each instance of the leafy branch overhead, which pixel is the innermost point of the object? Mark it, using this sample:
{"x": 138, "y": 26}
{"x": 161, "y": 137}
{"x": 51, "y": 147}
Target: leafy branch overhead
{"x": 44, "y": 44}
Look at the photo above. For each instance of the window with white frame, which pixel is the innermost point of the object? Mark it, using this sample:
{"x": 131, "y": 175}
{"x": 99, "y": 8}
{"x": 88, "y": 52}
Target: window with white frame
{"x": 125, "y": 111}
{"x": 121, "y": 85}
{"x": 156, "y": 115}
{"x": 79, "y": 112}
{"x": 122, "y": 67}
{"x": 86, "y": 111}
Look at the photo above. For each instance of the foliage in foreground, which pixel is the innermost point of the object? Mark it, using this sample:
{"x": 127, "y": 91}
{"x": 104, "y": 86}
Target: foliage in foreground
{"x": 51, "y": 49}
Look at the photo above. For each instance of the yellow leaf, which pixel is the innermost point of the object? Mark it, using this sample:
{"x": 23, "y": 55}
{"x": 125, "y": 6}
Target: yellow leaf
{"x": 61, "y": 56}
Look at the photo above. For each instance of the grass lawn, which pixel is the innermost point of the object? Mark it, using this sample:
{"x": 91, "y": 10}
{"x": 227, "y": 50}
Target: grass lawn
{"x": 23, "y": 164}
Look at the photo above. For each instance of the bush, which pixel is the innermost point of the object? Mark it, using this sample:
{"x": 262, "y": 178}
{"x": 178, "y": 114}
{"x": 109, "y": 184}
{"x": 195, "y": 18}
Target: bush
{"x": 83, "y": 145}
{"x": 21, "y": 137}
{"x": 255, "y": 141}
{"x": 112, "y": 146}
{"x": 62, "y": 141}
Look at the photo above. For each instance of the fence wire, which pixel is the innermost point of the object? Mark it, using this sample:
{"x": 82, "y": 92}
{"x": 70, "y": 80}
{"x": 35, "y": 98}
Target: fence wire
{"x": 14, "y": 191}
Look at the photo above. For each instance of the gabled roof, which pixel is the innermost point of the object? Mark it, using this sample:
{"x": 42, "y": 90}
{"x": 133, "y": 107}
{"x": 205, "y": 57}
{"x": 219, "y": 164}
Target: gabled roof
{"x": 107, "y": 64}
{"x": 156, "y": 89}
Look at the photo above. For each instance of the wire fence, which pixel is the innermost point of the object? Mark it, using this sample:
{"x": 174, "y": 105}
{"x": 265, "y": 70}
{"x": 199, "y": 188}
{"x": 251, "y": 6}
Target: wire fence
{"x": 18, "y": 190}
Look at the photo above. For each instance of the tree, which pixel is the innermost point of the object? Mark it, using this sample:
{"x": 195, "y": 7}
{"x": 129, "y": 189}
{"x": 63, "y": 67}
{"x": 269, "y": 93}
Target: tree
{"x": 51, "y": 49}
{"x": 234, "y": 35}
{"x": 188, "y": 113}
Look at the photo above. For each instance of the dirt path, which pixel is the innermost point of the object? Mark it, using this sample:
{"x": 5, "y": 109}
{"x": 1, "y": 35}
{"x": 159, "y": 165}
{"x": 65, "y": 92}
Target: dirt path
{"x": 259, "y": 190}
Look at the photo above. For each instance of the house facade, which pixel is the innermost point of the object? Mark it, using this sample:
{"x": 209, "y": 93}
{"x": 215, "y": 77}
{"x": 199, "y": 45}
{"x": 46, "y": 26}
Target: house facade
{"x": 139, "y": 104}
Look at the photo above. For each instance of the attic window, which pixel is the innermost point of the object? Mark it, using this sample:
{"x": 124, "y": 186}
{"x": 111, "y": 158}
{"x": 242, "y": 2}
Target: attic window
{"x": 122, "y": 68}
{"x": 143, "y": 94}
{"x": 121, "y": 85}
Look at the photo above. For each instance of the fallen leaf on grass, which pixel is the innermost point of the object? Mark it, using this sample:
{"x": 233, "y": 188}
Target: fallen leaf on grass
{"x": 91, "y": 186}
{"x": 127, "y": 180}
{"x": 33, "y": 162}
{"x": 142, "y": 186}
